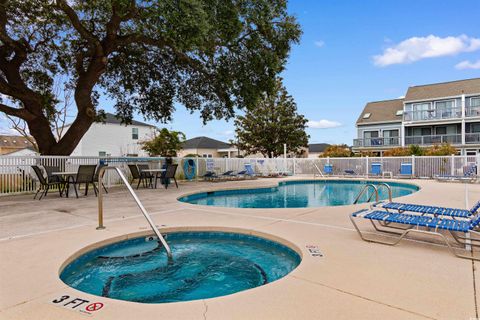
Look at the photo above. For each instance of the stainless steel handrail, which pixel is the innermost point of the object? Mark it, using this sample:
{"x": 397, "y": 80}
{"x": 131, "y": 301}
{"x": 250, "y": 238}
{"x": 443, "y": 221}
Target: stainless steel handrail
{"x": 375, "y": 190}
{"x": 137, "y": 200}
{"x": 319, "y": 171}
{"x": 388, "y": 188}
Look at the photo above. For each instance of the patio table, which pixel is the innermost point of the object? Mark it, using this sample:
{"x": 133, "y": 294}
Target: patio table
{"x": 156, "y": 172}
{"x": 68, "y": 175}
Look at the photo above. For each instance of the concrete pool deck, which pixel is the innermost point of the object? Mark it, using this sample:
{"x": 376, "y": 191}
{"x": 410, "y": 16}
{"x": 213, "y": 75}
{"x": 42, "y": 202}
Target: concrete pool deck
{"x": 353, "y": 280}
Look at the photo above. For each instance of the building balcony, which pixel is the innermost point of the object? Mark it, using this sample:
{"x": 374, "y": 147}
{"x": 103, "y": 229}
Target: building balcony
{"x": 472, "y": 111}
{"x": 434, "y": 139}
{"x": 427, "y": 115}
{"x": 472, "y": 138}
{"x": 377, "y": 142}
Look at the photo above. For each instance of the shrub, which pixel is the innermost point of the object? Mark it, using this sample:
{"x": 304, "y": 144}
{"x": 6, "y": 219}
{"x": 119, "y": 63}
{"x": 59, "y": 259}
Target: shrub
{"x": 337, "y": 151}
{"x": 413, "y": 149}
{"x": 444, "y": 149}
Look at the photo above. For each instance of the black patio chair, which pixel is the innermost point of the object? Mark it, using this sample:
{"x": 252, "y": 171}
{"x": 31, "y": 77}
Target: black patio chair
{"x": 85, "y": 174}
{"x": 170, "y": 174}
{"x": 95, "y": 177}
{"x": 140, "y": 176}
{"x": 51, "y": 177}
{"x": 46, "y": 184}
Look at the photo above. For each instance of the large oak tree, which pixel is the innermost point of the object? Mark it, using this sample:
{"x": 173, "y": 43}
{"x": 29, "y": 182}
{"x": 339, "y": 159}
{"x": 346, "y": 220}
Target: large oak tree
{"x": 271, "y": 124}
{"x": 212, "y": 56}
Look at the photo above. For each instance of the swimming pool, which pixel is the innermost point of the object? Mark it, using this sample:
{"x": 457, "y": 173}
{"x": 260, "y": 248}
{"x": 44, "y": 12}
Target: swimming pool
{"x": 205, "y": 265}
{"x": 297, "y": 194}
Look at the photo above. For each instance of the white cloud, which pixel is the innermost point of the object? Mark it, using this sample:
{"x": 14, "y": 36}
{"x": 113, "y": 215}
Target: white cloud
{"x": 319, "y": 43}
{"x": 468, "y": 65}
{"x": 323, "y": 124}
{"x": 418, "y": 48}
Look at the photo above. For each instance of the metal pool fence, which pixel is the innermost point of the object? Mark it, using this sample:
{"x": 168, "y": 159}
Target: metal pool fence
{"x": 17, "y": 176}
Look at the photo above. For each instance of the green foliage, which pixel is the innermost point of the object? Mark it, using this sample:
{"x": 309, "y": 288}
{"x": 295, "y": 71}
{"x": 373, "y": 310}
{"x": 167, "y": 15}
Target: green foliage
{"x": 211, "y": 56}
{"x": 337, "y": 151}
{"x": 415, "y": 150}
{"x": 273, "y": 122}
{"x": 165, "y": 143}
{"x": 444, "y": 149}
{"x": 192, "y": 155}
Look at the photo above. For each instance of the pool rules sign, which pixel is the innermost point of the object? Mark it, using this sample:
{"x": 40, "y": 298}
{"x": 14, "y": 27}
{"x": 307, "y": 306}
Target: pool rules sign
{"x": 84, "y": 306}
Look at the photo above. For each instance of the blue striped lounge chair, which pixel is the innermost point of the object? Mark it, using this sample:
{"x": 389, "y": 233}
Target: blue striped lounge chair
{"x": 431, "y": 210}
{"x": 421, "y": 224}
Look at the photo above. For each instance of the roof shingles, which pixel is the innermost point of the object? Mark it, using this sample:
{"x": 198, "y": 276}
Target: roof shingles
{"x": 381, "y": 111}
{"x": 443, "y": 90}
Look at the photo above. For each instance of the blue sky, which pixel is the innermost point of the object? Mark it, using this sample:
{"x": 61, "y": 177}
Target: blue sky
{"x": 352, "y": 52}
{"x": 332, "y": 72}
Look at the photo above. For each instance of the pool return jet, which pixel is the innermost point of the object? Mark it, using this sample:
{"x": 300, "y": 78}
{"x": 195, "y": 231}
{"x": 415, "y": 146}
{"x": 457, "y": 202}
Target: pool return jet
{"x": 137, "y": 200}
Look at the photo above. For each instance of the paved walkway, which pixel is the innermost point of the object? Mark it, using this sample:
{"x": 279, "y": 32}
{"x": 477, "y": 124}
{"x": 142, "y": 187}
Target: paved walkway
{"x": 354, "y": 279}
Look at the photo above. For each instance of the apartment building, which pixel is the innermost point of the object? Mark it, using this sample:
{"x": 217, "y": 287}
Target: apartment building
{"x": 447, "y": 112}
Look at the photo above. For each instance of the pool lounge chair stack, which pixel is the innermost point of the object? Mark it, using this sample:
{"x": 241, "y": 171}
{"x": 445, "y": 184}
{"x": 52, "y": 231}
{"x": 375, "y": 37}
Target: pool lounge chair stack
{"x": 400, "y": 219}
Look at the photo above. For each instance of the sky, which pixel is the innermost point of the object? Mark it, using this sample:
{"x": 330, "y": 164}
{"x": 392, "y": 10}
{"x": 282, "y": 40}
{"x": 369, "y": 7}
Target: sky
{"x": 352, "y": 52}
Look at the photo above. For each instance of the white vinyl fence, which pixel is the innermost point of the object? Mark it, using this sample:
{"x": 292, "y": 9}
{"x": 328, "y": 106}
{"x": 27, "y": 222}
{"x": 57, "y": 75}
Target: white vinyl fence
{"x": 17, "y": 176}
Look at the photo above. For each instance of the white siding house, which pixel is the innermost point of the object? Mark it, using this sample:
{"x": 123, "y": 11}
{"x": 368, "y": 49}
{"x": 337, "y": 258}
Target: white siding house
{"x": 114, "y": 139}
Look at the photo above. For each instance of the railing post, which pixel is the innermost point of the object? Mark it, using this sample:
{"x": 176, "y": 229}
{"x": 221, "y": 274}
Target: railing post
{"x": 413, "y": 165}
{"x": 452, "y": 165}
{"x": 366, "y": 166}
{"x": 198, "y": 168}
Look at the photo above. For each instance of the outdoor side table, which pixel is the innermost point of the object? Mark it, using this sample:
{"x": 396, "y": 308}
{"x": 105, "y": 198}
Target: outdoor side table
{"x": 68, "y": 175}
{"x": 156, "y": 172}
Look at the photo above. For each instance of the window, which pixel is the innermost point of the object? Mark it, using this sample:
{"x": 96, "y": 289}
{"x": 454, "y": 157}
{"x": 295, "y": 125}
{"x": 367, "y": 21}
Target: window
{"x": 441, "y": 130}
{"x": 426, "y": 131}
{"x": 370, "y": 134}
{"x": 135, "y": 133}
{"x": 367, "y": 115}
{"x": 390, "y": 133}
{"x": 207, "y": 155}
{"x": 475, "y": 102}
{"x": 474, "y": 127}
{"x": 445, "y": 109}
{"x": 102, "y": 153}
{"x": 421, "y": 111}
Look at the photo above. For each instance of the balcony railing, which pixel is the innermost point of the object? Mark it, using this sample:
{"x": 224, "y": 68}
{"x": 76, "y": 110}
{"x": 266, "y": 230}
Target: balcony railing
{"x": 472, "y": 111}
{"x": 434, "y": 114}
{"x": 435, "y": 139}
{"x": 472, "y": 138}
{"x": 377, "y": 142}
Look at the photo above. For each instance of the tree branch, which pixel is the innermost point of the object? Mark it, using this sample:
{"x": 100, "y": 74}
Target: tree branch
{"x": 19, "y": 113}
{"x": 77, "y": 24}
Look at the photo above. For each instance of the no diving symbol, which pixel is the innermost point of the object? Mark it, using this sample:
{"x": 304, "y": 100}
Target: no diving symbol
{"x": 94, "y": 306}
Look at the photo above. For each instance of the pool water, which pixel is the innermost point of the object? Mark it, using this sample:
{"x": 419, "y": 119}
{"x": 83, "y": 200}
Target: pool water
{"x": 205, "y": 265}
{"x": 298, "y": 194}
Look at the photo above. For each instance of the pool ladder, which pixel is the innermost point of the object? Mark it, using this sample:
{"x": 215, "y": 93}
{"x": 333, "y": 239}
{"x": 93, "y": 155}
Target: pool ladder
{"x": 375, "y": 192}
{"x": 137, "y": 200}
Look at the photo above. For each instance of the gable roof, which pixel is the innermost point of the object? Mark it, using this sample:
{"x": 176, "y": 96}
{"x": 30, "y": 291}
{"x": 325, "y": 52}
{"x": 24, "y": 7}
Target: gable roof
{"x": 443, "y": 89}
{"x": 112, "y": 119}
{"x": 17, "y": 142}
{"x": 204, "y": 143}
{"x": 381, "y": 111}
{"x": 317, "y": 147}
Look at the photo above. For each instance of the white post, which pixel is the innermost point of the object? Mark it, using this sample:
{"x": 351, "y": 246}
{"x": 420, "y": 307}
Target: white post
{"x": 198, "y": 168}
{"x": 366, "y": 166}
{"x": 284, "y": 157}
{"x": 452, "y": 165}
{"x": 463, "y": 119}
{"x": 402, "y": 135}
{"x": 413, "y": 165}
